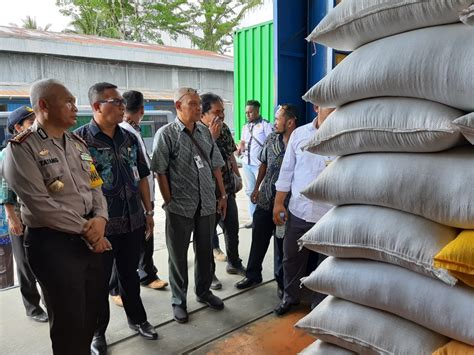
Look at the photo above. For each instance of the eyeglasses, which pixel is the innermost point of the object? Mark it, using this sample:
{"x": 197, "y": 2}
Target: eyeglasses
{"x": 188, "y": 92}
{"x": 115, "y": 101}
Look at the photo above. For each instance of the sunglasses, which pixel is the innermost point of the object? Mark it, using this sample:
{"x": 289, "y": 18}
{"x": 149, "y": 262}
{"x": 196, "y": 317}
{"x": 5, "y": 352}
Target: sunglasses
{"x": 115, "y": 102}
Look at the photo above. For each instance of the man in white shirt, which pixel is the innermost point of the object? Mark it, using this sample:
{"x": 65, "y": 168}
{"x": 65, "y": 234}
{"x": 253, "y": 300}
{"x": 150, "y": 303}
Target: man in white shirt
{"x": 254, "y": 134}
{"x": 299, "y": 169}
{"x": 147, "y": 271}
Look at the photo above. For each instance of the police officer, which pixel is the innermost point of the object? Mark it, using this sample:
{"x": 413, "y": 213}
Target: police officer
{"x": 65, "y": 214}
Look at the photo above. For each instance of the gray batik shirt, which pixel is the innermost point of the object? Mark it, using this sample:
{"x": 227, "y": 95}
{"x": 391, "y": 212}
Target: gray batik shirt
{"x": 174, "y": 155}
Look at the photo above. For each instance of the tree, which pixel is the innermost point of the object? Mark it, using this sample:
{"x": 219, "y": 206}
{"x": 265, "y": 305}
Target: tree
{"x": 207, "y": 23}
{"x": 30, "y": 24}
{"x": 213, "y": 21}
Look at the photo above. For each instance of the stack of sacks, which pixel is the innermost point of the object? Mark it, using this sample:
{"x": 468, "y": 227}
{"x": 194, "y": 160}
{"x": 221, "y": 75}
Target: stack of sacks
{"x": 403, "y": 183}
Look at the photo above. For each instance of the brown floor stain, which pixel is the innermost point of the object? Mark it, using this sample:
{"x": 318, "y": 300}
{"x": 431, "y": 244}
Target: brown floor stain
{"x": 269, "y": 335}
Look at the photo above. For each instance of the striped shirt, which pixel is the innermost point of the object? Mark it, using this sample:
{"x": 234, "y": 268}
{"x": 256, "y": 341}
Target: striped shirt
{"x": 174, "y": 155}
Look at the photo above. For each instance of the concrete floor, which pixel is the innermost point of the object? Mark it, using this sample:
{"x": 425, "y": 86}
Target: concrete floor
{"x": 21, "y": 336}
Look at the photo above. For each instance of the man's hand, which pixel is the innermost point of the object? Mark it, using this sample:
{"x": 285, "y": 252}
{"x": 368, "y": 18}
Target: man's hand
{"x": 150, "y": 225}
{"x": 222, "y": 207}
{"x": 15, "y": 226}
{"x": 102, "y": 245}
{"x": 254, "y": 196}
{"x": 94, "y": 229}
{"x": 215, "y": 128}
{"x": 277, "y": 210}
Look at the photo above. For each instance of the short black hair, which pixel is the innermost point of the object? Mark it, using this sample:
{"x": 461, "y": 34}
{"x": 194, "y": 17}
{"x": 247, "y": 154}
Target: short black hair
{"x": 134, "y": 101}
{"x": 290, "y": 111}
{"x": 96, "y": 91}
{"x": 208, "y": 99}
{"x": 253, "y": 103}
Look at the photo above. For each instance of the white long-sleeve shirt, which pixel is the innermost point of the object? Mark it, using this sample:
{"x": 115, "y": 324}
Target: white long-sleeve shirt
{"x": 254, "y": 135}
{"x": 298, "y": 170}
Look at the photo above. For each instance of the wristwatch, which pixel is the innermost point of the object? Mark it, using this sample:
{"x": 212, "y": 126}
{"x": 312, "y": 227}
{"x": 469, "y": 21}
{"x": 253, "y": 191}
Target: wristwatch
{"x": 149, "y": 213}
{"x": 223, "y": 197}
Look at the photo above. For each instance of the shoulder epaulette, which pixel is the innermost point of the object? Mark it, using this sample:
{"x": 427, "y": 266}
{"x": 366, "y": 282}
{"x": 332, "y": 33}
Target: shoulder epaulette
{"x": 20, "y": 137}
{"x": 79, "y": 138}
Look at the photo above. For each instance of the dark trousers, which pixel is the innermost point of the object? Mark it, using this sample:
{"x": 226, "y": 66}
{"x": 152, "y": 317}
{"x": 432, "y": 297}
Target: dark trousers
{"x": 72, "y": 280}
{"x": 178, "y": 236}
{"x": 125, "y": 252}
{"x": 230, "y": 227}
{"x": 147, "y": 271}
{"x": 262, "y": 231}
{"x": 297, "y": 263}
{"x": 26, "y": 279}
{"x": 6, "y": 266}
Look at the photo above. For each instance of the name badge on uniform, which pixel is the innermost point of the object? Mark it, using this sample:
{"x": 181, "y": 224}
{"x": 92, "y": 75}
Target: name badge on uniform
{"x": 86, "y": 157}
{"x": 198, "y": 161}
{"x": 136, "y": 175}
{"x": 96, "y": 180}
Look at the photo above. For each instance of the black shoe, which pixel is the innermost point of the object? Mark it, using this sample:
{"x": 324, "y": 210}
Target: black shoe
{"x": 40, "y": 317}
{"x": 246, "y": 283}
{"x": 216, "y": 284}
{"x": 283, "y": 308}
{"x": 248, "y": 225}
{"x": 98, "y": 345}
{"x": 180, "y": 314}
{"x": 145, "y": 329}
{"x": 280, "y": 293}
{"x": 239, "y": 270}
{"x": 212, "y": 301}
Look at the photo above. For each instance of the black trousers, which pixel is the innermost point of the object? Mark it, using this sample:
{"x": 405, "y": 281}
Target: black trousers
{"x": 125, "y": 252}
{"x": 72, "y": 280}
{"x": 147, "y": 271}
{"x": 178, "y": 236}
{"x": 262, "y": 231}
{"x": 230, "y": 227}
{"x": 26, "y": 279}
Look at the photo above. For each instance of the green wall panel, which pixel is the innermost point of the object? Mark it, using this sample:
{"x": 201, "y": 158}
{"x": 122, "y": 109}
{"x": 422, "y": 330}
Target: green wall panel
{"x": 253, "y": 72}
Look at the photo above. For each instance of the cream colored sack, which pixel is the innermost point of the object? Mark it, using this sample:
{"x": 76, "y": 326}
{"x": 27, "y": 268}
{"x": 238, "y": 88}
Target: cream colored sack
{"x": 368, "y": 331}
{"x": 437, "y": 186}
{"x": 353, "y": 23}
{"x": 388, "y": 124}
{"x": 382, "y": 234}
{"x": 321, "y": 348}
{"x": 434, "y": 63}
{"x": 432, "y": 304}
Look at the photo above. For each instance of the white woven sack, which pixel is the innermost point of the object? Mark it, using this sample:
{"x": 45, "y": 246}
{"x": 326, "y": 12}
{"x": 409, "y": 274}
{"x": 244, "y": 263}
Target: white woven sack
{"x": 388, "y": 124}
{"x": 353, "y": 23}
{"x": 437, "y": 186}
{"x": 321, "y": 348}
{"x": 368, "y": 331}
{"x": 466, "y": 125}
{"x": 382, "y": 234}
{"x": 432, "y": 304}
{"x": 411, "y": 64}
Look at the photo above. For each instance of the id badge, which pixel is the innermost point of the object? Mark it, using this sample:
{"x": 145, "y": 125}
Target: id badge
{"x": 136, "y": 176}
{"x": 198, "y": 161}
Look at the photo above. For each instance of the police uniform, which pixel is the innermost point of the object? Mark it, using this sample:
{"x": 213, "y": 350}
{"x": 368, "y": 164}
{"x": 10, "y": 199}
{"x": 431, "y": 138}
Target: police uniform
{"x": 59, "y": 190}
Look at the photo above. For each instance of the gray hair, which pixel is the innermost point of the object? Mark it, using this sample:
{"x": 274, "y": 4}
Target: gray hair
{"x": 40, "y": 89}
{"x": 181, "y": 92}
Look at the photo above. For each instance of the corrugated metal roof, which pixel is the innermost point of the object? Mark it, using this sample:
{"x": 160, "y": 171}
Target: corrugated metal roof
{"x": 119, "y": 49}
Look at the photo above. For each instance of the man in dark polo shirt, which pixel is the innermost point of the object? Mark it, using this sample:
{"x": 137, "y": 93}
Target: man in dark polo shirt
{"x": 188, "y": 164}
{"x": 122, "y": 167}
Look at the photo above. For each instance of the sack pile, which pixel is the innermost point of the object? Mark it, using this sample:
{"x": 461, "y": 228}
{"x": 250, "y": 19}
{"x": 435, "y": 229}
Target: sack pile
{"x": 400, "y": 240}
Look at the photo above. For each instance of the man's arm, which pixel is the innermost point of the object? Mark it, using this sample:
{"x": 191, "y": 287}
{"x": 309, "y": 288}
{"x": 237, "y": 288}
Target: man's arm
{"x": 283, "y": 184}
{"x": 262, "y": 170}
{"x": 164, "y": 186}
{"x": 144, "y": 189}
{"x": 14, "y": 224}
{"x": 222, "y": 200}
